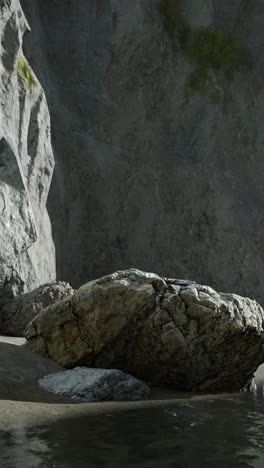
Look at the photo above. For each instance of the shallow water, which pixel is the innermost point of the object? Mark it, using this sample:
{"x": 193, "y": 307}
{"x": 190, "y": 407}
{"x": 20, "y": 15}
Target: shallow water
{"x": 224, "y": 431}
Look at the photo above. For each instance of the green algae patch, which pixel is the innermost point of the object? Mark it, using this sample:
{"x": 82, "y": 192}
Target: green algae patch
{"x": 211, "y": 48}
{"x": 24, "y": 72}
{"x": 207, "y": 48}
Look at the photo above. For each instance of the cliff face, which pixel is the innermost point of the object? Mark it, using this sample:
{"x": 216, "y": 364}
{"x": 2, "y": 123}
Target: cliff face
{"x": 147, "y": 175}
{"x": 27, "y": 254}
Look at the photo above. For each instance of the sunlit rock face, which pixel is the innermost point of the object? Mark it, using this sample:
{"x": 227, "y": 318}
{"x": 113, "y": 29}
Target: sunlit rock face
{"x": 165, "y": 331}
{"x": 27, "y": 254}
{"x": 144, "y": 174}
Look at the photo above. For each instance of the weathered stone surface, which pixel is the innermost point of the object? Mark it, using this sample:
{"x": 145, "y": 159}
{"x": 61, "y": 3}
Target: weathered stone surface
{"x": 17, "y": 314}
{"x": 146, "y": 176}
{"x": 188, "y": 336}
{"x": 27, "y": 253}
{"x": 86, "y": 384}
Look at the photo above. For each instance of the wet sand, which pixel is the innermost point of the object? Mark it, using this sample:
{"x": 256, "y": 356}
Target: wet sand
{"x": 24, "y": 404}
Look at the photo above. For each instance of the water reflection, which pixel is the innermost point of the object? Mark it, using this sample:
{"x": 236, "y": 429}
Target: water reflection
{"x": 225, "y": 432}
{"x": 18, "y": 448}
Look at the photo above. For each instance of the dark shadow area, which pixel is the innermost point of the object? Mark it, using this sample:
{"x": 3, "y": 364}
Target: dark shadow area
{"x": 20, "y": 370}
{"x": 19, "y": 374}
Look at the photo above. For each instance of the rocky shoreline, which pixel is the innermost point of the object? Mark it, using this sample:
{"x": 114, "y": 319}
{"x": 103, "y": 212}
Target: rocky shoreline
{"x": 131, "y": 329}
{"x": 23, "y": 403}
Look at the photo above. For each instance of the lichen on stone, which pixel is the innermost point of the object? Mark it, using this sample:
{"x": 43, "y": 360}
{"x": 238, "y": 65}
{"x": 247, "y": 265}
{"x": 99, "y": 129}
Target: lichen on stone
{"x": 24, "y": 72}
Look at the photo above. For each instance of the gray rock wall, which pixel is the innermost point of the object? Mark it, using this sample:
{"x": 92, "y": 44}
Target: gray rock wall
{"x": 27, "y": 253}
{"x": 145, "y": 176}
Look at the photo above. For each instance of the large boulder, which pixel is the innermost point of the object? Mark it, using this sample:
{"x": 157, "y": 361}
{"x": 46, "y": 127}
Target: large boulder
{"x": 166, "y": 331}
{"x": 17, "y": 314}
{"x": 86, "y": 384}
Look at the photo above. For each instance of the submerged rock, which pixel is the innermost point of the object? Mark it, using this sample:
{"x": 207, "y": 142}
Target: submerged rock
{"x": 86, "y": 384}
{"x": 165, "y": 331}
{"x": 16, "y": 315}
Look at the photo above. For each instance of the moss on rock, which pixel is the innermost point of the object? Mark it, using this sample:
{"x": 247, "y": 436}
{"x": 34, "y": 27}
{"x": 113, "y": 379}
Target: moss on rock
{"x": 24, "y": 72}
{"x": 207, "y": 48}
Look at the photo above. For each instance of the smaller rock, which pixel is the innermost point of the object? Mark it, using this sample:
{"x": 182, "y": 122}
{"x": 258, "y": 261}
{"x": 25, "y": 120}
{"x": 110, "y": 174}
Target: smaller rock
{"x": 90, "y": 384}
{"x": 17, "y": 314}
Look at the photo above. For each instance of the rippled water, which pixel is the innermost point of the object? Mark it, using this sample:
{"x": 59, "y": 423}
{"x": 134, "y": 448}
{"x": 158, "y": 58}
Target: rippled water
{"x": 225, "y": 431}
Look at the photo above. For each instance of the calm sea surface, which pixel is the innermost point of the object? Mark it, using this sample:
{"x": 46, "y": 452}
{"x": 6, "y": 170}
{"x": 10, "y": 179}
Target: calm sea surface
{"x": 224, "y": 431}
